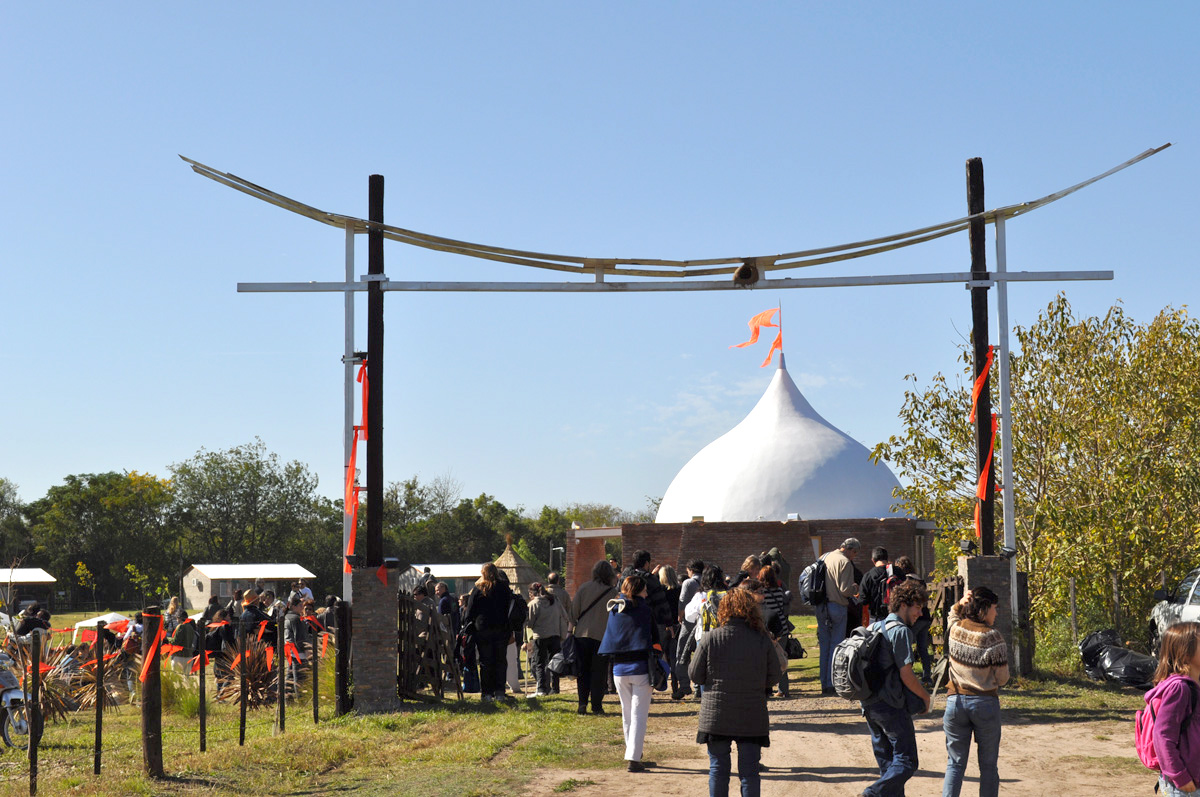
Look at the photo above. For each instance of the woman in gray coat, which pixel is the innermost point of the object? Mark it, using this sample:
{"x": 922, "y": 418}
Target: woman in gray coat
{"x": 736, "y": 663}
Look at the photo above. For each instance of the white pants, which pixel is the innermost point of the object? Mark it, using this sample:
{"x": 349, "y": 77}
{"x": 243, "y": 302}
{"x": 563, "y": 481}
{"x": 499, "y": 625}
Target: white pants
{"x": 634, "y": 691}
{"x": 514, "y": 683}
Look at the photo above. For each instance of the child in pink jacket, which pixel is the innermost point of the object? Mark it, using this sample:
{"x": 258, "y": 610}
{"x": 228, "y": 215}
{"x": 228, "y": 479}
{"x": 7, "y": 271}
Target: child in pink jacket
{"x": 1176, "y": 730}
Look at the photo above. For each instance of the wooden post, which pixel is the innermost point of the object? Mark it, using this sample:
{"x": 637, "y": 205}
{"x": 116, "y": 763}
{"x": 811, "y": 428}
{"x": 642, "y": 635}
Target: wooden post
{"x": 1074, "y": 615}
{"x": 979, "y": 334}
{"x": 242, "y": 689}
{"x": 101, "y": 694}
{"x": 34, "y": 713}
{"x": 313, "y": 657}
{"x": 342, "y": 659}
{"x": 152, "y": 694}
{"x": 375, "y": 375}
{"x": 280, "y": 677}
{"x": 202, "y": 660}
{"x": 1116, "y": 582}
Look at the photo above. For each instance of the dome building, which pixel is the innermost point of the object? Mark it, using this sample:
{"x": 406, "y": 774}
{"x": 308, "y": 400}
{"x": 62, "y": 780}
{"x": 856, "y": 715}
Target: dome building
{"x": 783, "y": 460}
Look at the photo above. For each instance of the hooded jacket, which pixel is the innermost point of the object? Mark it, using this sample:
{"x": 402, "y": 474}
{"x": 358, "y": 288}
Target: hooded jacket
{"x": 629, "y": 635}
{"x": 1178, "y": 748}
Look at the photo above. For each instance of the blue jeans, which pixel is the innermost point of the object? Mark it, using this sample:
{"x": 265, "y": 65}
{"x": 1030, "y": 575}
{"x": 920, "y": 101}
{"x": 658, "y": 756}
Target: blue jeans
{"x": 831, "y": 629}
{"x": 965, "y": 714}
{"x": 894, "y": 740}
{"x": 1168, "y": 789}
{"x": 719, "y": 768}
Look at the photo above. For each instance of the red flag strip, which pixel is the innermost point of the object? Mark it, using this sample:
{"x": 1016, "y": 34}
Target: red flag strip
{"x": 152, "y": 653}
{"x": 776, "y": 346}
{"x": 381, "y": 574}
{"x": 325, "y": 643}
{"x": 981, "y": 487}
{"x": 262, "y": 627}
{"x": 315, "y": 623}
{"x": 290, "y": 653}
{"x": 759, "y": 321}
{"x": 171, "y": 650}
{"x": 362, "y": 377}
{"x": 981, "y": 380}
{"x": 196, "y": 661}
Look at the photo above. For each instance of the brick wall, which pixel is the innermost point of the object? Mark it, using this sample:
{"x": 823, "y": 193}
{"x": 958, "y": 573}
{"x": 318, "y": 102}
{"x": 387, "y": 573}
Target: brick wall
{"x": 727, "y": 544}
{"x": 374, "y": 659}
{"x": 995, "y": 572}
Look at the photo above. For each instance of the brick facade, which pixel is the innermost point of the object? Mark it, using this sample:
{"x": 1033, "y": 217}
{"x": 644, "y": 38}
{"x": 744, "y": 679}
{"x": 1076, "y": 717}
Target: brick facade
{"x": 374, "y": 656}
{"x": 727, "y": 544}
{"x": 995, "y": 572}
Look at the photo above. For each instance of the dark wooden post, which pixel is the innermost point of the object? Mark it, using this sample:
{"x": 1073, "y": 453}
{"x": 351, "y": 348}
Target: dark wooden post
{"x": 34, "y": 714}
{"x": 152, "y": 694}
{"x": 375, "y": 376}
{"x": 242, "y": 689}
{"x": 979, "y": 334}
{"x": 202, "y": 661}
{"x": 314, "y": 656}
{"x": 342, "y": 659}
{"x": 101, "y": 695}
{"x": 280, "y": 677}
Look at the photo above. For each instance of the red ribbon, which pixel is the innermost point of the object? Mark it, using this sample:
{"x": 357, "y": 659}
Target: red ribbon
{"x": 42, "y": 668}
{"x": 196, "y": 661}
{"x": 262, "y": 627}
{"x": 362, "y": 377}
{"x": 381, "y": 574}
{"x": 290, "y": 653}
{"x": 325, "y": 643}
{"x": 92, "y": 663}
{"x": 315, "y": 623}
{"x": 981, "y": 380}
{"x": 270, "y": 657}
{"x": 217, "y": 624}
{"x": 170, "y": 650}
{"x": 981, "y": 487}
{"x": 152, "y": 653}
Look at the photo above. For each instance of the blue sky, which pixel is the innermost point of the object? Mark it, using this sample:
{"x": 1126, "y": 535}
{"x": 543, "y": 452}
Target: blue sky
{"x": 679, "y": 130}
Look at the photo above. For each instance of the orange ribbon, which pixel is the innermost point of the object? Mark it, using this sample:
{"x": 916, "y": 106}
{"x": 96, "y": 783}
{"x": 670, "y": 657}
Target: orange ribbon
{"x": 381, "y": 574}
{"x": 170, "y": 650}
{"x": 981, "y": 380}
{"x": 776, "y": 346}
{"x": 325, "y": 643}
{"x": 152, "y": 653}
{"x": 262, "y": 627}
{"x": 270, "y": 657}
{"x": 981, "y": 487}
{"x": 759, "y": 321}
{"x": 362, "y": 377}
{"x": 196, "y": 661}
{"x": 290, "y": 653}
{"x": 217, "y": 624}
{"x": 42, "y": 668}
{"x": 92, "y": 663}
{"x": 315, "y": 623}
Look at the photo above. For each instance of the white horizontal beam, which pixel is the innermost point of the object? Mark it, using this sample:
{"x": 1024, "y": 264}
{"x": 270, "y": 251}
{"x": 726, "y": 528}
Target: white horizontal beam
{"x": 673, "y": 285}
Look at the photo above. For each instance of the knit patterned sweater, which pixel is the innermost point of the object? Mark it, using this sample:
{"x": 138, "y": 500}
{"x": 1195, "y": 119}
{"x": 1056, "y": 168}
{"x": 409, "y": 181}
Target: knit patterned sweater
{"x": 978, "y": 658}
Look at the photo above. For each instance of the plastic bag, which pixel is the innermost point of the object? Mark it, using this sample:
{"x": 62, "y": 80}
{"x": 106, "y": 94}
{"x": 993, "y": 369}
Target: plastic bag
{"x": 1106, "y": 659}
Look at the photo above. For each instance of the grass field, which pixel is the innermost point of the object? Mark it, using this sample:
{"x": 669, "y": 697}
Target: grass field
{"x": 428, "y": 749}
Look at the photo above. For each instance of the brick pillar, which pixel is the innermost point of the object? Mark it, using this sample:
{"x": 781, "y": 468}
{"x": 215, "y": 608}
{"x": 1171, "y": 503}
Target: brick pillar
{"x": 994, "y": 572}
{"x": 582, "y": 555}
{"x": 374, "y": 656}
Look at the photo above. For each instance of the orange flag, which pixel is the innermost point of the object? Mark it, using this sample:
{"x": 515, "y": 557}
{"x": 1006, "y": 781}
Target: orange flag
{"x": 776, "y": 346}
{"x": 759, "y": 321}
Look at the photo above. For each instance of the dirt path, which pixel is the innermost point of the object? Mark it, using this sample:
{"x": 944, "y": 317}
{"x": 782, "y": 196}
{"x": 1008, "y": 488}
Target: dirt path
{"x": 820, "y": 746}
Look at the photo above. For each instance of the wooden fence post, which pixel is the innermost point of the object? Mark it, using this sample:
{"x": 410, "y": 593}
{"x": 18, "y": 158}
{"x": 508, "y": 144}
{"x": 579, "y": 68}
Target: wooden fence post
{"x": 202, "y": 660}
{"x": 242, "y": 689}
{"x": 152, "y": 623}
{"x": 101, "y": 695}
{"x": 33, "y": 714}
{"x": 280, "y": 676}
{"x": 342, "y": 660}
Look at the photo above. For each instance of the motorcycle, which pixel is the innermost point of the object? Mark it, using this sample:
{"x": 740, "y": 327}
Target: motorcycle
{"x": 14, "y": 713}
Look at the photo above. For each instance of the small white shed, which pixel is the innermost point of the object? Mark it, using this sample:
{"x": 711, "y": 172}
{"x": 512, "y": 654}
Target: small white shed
{"x": 22, "y": 585}
{"x": 201, "y": 581}
{"x": 459, "y": 578}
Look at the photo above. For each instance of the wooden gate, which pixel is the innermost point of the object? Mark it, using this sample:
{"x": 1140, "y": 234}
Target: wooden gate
{"x": 942, "y": 597}
{"x": 425, "y": 643}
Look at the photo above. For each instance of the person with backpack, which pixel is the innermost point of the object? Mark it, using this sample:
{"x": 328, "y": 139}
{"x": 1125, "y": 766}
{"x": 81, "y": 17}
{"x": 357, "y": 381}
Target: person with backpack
{"x": 590, "y": 618}
{"x": 833, "y": 611}
{"x": 656, "y": 596}
{"x": 548, "y": 621}
{"x": 890, "y": 707}
{"x": 1171, "y": 708}
{"x": 686, "y": 644}
{"x": 978, "y": 668}
{"x": 737, "y": 664}
{"x": 629, "y": 638}
{"x": 701, "y": 612}
{"x": 873, "y": 587}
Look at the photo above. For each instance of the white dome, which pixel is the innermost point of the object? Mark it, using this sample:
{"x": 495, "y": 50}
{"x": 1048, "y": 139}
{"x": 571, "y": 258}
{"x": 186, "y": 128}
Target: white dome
{"x": 782, "y": 458}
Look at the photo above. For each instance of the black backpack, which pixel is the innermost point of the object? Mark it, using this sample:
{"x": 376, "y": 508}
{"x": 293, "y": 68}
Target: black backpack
{"x": 812, "y": 583}
{"x": 518, "y": 612}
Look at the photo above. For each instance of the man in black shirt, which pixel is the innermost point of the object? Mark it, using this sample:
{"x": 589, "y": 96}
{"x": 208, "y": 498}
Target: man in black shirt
{"x": 873, "y": 589}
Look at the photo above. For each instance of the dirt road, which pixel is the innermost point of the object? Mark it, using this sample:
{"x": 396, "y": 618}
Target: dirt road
{"x": 820, "y": 746}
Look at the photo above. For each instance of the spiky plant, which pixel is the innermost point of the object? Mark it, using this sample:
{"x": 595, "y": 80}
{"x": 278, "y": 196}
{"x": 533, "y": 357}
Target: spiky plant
{"x": 261, "y": 681}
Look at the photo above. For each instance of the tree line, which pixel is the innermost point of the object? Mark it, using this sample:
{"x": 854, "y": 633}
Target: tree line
{"x": 1106, "y": 461}
{"x": 128, "y": 536}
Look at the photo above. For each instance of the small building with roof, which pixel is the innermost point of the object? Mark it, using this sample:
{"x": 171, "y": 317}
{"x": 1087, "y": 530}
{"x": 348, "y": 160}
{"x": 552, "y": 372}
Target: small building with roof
{"x": 21, "y": 586}
{"x": 222, "y": 580}
{"x": 520, "y": 573}
{"x": 459, "y": 578}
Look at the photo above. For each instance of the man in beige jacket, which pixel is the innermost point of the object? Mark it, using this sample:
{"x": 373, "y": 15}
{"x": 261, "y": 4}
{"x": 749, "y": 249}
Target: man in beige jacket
{"x": 831, "y": 615}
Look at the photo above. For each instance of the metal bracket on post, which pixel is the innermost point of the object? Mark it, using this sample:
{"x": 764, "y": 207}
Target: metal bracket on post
{"x": 979, "y": 284}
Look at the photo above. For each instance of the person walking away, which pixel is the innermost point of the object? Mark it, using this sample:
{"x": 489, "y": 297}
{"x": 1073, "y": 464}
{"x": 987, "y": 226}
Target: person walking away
{"x": 211, "y": 609}
{"x": 233, "y": 609}
{"x": 220, "y": 645}
{"x": 295, "y": 633}
{"x": 832, "y": 614}
{"x": 737, "y": 664}
{"x": 775, "y": 617}
{"x": 670, "y": 584}
{"x": 978, "y": 668}
{"x": 448, "y": 608}
{"x": 559, "y": 592}
{"x": 182, "y": 641}
{"x": 547, "y": 626}
{"x": 590, "y": 618}
{"x": 629, "y": 637}
{"x": 686, "y": 642}
{"x": 873, "y": 588}
{"x": 889, "y": 711}
{"x": 1172, "y": 702}
{"x": 518, "y": 612}
{"x": 701, "y": 611}
{"x": 664, "y": 614}
{"x": 464, "y": 650}
{"x": 487, "y": 617}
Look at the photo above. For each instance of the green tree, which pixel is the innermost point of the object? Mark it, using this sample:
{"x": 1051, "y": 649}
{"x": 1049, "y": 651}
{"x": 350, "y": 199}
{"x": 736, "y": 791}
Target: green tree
{"x": 242, "y": 505}
{"x": 105, "y": 520}
{"x": 15, "y": 542}
{"x": 1106, "y": 426}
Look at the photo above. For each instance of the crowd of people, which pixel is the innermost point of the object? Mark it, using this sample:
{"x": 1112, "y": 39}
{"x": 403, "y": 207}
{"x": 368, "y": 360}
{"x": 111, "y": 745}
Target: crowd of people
{"x": 724, "y": 640}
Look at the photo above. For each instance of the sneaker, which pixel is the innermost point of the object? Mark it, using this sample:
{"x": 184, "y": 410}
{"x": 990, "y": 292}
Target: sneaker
{"x": 636, "y": 766}
{"x": 486, "y": 698}
{"x": 543, "y": 694}
{"x": 598, "y": 710}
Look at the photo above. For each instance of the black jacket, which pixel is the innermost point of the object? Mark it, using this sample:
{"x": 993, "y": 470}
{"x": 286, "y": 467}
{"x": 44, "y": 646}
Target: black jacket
{"x": 873, "y": 591}
{"x": 662, "y": 610}
{"x": 489, "y": 612}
